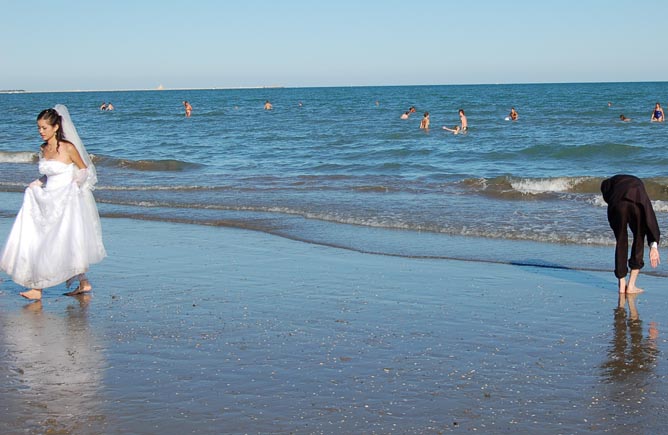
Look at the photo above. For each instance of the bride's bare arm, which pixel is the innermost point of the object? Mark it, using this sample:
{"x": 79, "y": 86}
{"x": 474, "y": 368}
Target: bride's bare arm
{"x": 73, "y": 154}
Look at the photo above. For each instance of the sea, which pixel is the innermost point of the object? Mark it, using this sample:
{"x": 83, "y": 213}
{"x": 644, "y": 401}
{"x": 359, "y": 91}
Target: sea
{"x": 337, "y": 166}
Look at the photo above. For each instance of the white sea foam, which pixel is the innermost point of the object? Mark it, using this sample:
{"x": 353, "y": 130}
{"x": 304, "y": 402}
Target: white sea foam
{"x": 660, "y": 206}
{"x": 545, "y": 185}
{"x": 17, "y": 157}
{"x": 598, "y": 201}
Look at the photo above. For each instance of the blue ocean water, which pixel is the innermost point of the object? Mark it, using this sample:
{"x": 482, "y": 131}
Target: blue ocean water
{"x": 338, "y": 166}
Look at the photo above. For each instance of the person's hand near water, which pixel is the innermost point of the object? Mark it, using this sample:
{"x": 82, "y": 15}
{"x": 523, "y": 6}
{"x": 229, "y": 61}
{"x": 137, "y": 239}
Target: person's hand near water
{"x": 654, "y": 256}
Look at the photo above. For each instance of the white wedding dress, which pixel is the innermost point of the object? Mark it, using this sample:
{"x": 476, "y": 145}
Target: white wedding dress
{"x": 57, "y": 233}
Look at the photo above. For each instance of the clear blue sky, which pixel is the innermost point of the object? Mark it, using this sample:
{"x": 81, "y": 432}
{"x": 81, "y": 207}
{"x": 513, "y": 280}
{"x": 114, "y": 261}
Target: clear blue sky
{"x": 120, "y": 44}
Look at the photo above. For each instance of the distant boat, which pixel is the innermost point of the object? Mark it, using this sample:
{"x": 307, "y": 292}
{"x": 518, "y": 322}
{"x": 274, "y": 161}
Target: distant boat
{"x": 160, "y": 87}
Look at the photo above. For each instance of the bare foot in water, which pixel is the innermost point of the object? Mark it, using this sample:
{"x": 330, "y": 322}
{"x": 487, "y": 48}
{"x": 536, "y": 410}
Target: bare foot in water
{"x": 84, "y": 288}
{"x": 633, "y": 290}
{"x": 32, "y": 294}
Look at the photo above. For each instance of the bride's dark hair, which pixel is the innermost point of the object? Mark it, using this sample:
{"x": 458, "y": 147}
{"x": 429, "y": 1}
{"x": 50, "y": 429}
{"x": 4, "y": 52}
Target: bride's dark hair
{"x": 53, "y": 118}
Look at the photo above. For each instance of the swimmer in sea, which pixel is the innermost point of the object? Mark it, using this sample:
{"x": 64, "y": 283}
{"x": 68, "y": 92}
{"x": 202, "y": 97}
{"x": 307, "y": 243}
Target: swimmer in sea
{"x": 624, "y": 118}
{"x": 658, "y": 115}
{"x": 455, "y": 130}
{"x": 188, "y": 108}
{"x": 465, "y": 123}
{"x": 424, "y": 124}
{"x": 267, "y": 105}
{"x": 412, "y": 109}
{"x": 513, "y": 114}
{"x": 405, "y": 115}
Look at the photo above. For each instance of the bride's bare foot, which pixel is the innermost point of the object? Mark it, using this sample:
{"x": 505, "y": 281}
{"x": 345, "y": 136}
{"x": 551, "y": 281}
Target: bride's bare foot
{"x": 84, "y": 288}
{"x": 34, "y": 294}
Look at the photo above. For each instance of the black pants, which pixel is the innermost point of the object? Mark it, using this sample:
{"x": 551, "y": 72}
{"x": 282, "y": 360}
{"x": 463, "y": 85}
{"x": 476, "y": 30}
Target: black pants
{"x": 627, "y": 214}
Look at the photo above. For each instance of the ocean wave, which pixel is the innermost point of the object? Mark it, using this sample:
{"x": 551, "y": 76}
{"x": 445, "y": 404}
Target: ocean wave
{"x": 382, "y": 189}
{"x": 12, "y": 186}
{"x": 168, "y": 165}
{"x": 101, "y": 160}
{"x": 18, "y": 157}
{"x": 545, "y": 185}
{"x": 239, "y": 188}
{"x": 152, "y": 188}
{"x": 660, "y": 206}
{"x": 507, "y": 187}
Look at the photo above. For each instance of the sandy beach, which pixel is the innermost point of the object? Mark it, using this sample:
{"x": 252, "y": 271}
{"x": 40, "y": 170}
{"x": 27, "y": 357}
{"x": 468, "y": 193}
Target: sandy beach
{"x": 195, "y": 329}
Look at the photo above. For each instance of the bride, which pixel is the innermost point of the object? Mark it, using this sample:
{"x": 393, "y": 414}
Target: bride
{"x": 57, "y": 232}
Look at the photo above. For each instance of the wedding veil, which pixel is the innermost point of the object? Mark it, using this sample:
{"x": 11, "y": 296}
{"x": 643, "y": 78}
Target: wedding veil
{"x": 70, "y": 134}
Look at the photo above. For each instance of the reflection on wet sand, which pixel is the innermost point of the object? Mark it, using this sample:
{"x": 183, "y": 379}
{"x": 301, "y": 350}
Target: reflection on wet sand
{"x": 630, "y": 352}
{"x": 54, "y": 371}
{"x": 632, "y": 388}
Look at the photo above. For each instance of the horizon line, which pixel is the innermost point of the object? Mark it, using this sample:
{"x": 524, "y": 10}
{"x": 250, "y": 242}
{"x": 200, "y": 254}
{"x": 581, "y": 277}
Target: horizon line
{"x": 221, "y": 88}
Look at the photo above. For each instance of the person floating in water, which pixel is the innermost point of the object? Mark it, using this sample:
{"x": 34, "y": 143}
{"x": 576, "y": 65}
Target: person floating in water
{"x": 513, "y": 114}
{"x": 267, "y": 105}
{"x": 424, "y": 124}
{"x": 405, "y": 115}
{"x": 455, "y": 130}
{"x": 630, "y": 206}
{"x": 188, "y": 108}
{"x": 103, "y": 106}
{"x": 110, "y": 106}
{"x": 624, "y": 118}
{"x": 658, "y": 115}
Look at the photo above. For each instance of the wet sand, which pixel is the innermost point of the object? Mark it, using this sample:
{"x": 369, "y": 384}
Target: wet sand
{"x": 212, "y": 330}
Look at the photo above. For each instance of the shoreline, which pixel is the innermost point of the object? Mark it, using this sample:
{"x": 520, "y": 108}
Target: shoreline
{"x": 212, "y": 329}
{"x": 379, "y": 241}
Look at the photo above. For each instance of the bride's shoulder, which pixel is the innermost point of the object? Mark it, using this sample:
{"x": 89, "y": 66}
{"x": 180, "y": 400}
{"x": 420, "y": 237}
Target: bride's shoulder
{"x": 73, "y": 153}
{"x": 67, "y": 145}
